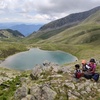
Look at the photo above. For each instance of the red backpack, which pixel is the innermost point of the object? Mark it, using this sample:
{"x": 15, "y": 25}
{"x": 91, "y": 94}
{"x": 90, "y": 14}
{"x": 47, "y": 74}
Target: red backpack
{"x": 78, "y": 74}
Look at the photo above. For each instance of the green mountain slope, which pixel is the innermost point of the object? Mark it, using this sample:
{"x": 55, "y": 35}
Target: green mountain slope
{"x": 85, "y": 24}
{"x": 70, "y": 20}
{"x": 86, "y": 32}
{"x": 10, "y": 34}
{"x": 82, "y": 40}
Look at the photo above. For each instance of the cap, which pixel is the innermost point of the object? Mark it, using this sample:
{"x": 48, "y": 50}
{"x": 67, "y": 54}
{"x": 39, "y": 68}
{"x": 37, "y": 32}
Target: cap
{"x": 92, "y": 60}
{"x": 83, "y": 61}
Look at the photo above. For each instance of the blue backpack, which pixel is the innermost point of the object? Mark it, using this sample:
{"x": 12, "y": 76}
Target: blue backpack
{"x": 96, "y": 77}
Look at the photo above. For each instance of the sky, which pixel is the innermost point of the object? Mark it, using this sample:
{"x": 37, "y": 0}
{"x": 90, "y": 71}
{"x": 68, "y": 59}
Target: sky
{"x": 41, "y": 11}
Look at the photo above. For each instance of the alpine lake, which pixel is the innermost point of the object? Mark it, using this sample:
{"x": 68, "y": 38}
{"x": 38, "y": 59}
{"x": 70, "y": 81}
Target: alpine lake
{"x": 28, "y": 59}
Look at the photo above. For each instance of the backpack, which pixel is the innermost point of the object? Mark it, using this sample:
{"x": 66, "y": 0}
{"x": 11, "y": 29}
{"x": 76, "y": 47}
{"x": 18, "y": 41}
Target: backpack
{"x": 78, "y": 74}
{"x": 86, "y": 68}
{"x": 95, "y": 77}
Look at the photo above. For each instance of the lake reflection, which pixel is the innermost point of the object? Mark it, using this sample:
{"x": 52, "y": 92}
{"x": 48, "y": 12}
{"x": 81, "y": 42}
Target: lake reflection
{"x": 28, "y": 59}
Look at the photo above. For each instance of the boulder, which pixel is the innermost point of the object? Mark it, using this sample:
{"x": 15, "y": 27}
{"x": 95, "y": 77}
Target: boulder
{"x": 36, "y": 72}
{"x": 69, "y": 84}
{"x": 20, "y": 93}
{"x": 43, "y": 93}
{"x": 29, "y": 97}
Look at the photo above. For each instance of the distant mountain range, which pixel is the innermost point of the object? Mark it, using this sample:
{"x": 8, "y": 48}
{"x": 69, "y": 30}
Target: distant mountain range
{"x": 77, "y": 28}
{"x": 22, "y": 28}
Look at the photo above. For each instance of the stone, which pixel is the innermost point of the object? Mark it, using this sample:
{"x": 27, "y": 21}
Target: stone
{"x": 88, "y": 89}
{"x": 43, "y": 93}
{"x": 83, "y": 92}
{"x": 70, "y": 85}
{"x": 29, "y": 97}
{"x": 80, "y": 86}
{"x": 48, "y": 94}
{"x": 20, "y": 93}
{"x": 36, "y": 72}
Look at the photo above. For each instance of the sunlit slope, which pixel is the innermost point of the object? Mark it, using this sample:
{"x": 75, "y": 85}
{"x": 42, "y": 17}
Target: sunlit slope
{"x": 43, "y": 35}
{"x": 87, "y": 32}
{"x": 10, "y": 35}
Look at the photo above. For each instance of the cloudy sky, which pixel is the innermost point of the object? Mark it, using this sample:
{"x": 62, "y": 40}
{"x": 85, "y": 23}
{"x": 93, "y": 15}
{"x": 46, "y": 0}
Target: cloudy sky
{"x": 41, "y": 11}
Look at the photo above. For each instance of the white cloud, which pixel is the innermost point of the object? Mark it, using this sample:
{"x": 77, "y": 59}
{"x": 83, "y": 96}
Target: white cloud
{"x": 2, "y": 5}
{"x": 42, "y": 10}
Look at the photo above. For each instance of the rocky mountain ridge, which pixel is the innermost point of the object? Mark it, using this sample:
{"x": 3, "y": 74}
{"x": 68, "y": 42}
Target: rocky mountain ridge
{"x": 23, "y": 28}
{"x": 70, "y": 20}
{"x": 8, "y": 33}
{"x": 85, "y": 31}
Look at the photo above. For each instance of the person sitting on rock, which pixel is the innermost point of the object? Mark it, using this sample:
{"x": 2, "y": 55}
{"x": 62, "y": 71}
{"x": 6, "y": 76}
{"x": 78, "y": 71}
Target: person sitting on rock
{"x": 90, "y": 69}
{"x": 77, "y": 72}
{"x": 92, "y": 65}
{"x": 85, "y": 66}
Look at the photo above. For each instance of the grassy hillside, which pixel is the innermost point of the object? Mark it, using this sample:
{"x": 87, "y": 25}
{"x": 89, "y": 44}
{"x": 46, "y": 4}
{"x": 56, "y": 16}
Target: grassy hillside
{"x": 86, "y": 32}
{"x": 70, "y": 20}
{"x": 9, "y": 48}
{"x": 42, "y": 35}
{"x": 82, "y": 40}
{"x": 83, "y": 51}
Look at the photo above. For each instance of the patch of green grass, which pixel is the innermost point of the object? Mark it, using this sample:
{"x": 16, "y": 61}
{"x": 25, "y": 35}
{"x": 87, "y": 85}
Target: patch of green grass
{"x": 8, "y": 88}
{"x": 6, "y": 93}
{"x": 9, "y": 48}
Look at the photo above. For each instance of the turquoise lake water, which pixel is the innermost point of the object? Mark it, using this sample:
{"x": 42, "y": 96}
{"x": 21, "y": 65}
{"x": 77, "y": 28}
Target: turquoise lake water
{"x": 27, "y": 60}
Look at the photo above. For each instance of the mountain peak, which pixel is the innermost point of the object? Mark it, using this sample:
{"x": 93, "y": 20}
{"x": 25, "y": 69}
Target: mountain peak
{"x": 8, "y": 33}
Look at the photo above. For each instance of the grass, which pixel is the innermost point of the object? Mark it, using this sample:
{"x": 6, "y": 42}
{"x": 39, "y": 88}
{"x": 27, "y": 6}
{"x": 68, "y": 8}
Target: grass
{"x": 8, "y": 88}
{"x": 10, "y": 48}
{"x": 6, "y": 93}
{"x": 84, "y": 51}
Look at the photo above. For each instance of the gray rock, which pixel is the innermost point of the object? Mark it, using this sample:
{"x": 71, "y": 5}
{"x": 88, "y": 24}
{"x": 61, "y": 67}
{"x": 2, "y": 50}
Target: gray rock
{"x": 66, "y": 69}
{"x": 48, "y": 94}
{"x": 48, "y": 66}
{"x": 88, "y": 89}
{"x": 71, "y": 96}
{"x": 23, "y": 79}
{"x": 36, "y": 71}
{"x": 83, "y": 92}
{"x": 43, "y": 93}
{"x": 20, "y": 93}
{"x": 55, "y": 76}
{"x": 29, "y": 97}
{"x": 69, "y": 84}
{"x": 80, "y": 86}
{"x": 36, "y": 91}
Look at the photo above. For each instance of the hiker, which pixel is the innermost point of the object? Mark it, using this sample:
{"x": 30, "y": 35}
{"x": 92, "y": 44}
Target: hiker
{"x": 89, "y": 69}
{"x": 92, "y": 65}
{"x": 77, "y": 72}
{"x": 85, "y": 66}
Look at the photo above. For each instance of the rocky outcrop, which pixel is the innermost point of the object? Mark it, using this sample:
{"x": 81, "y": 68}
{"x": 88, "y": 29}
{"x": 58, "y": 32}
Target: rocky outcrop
{"x": 36, "y": 92}
{"x": 43, "y": 93}
{"x": 21, "y": 93}
{"x": 56, "y": 83}
{"x": 36, "y": 72}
